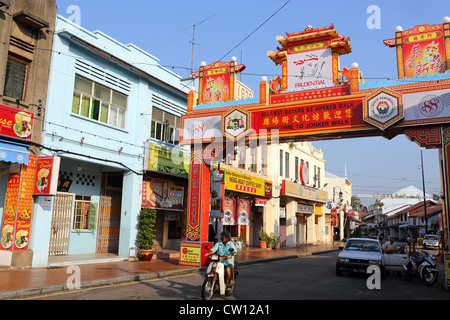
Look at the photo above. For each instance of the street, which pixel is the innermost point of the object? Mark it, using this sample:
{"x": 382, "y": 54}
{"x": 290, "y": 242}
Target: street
{"x": 306, "y": 278}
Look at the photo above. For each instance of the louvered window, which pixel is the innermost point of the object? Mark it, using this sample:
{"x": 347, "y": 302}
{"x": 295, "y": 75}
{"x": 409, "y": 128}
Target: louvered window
{"x": 165, "y": 126}
{"x": 98, "y": 102}
{"x": 15, "y": 78}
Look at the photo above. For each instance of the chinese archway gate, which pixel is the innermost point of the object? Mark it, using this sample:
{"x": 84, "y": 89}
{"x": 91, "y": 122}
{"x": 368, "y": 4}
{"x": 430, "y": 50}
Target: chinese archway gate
{"x": 316, "y": 99}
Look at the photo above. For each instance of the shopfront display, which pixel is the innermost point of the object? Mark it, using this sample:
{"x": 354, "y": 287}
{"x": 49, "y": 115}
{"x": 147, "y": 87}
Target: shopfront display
{"x": 162, "y": 194}
{"x": 244, "y": 198}
{"x": 18, "y": 208}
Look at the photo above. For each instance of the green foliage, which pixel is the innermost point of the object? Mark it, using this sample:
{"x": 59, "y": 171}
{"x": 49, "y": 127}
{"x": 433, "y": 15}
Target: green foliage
{"x": 263, "y": 236}
{"x": 146, "y": 228}
{"x": 273, "y": 239}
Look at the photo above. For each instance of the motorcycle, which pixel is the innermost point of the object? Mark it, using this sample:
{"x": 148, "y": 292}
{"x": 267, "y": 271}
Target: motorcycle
{"x": 423, "y": 268}
{"x": 215, "y": 278}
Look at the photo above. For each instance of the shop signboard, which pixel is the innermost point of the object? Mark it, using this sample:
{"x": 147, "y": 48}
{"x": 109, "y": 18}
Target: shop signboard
{"x": 162, "y": 194}
{"x": 166, "y": 160}
{"x": 46, "y": 179}
{"x": 229, "y": 211}
{"x": 10, "y": 211}
{"x": 333, "y": 217}
{"x": 16, "y": 123}
{"x": 245, "y": 183}
{"x": 259, "y": 202}
{"x": 64, "y": 185}
{"x": 18, "y": 208}
{"x": 295, "y": 190}
{"x": 243, "y": 212}
{"x": 193, "y": 254}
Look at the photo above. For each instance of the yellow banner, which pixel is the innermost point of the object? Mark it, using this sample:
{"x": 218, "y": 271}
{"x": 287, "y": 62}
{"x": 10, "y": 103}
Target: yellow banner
{"x": 241, "y": 182}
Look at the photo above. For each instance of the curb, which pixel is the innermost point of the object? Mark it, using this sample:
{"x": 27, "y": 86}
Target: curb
{"x": 23, "y": 293}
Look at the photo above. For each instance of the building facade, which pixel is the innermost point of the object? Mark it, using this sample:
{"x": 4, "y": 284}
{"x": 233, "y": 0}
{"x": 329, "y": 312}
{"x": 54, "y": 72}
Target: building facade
{"x": 99, "y": 118}
{"x": 293, "y": 202}
{"x": 339, "y": 191}
{"x": 297, "y": 170}
{"x": 26, "y": 35}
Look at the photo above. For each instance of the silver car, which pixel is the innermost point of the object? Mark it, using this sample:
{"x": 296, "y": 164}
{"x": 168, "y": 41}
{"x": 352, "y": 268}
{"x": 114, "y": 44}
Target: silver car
{"x": 431, "y": 241}
{"x": 358, "y": 254}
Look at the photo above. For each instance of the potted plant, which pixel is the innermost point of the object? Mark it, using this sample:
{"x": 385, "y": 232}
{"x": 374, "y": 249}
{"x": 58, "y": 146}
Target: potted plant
{"x": 146, "y": 233}
{"x": 263, "y": 238}
{"x": 274, "y": 241}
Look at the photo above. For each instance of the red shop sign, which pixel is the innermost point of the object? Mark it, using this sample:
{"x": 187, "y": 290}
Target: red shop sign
{"x": 16, "y": 123}
{"x": 46, "y": 178}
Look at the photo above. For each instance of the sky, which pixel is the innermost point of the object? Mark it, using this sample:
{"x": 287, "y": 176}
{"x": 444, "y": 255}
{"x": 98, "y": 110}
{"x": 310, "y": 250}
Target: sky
{"x": 247, "y": 30}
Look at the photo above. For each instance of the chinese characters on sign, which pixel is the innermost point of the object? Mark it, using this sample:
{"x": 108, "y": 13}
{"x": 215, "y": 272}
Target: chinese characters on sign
{"x": 18, "y": 208}
{"x": 321, "y": 117}
{"x": 424, "y": 50}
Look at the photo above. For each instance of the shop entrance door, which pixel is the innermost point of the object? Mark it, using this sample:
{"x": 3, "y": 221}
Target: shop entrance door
{"x": 257, "y": 226}
{"x": 60, "y": 226}
{"x": 108, "y": 228}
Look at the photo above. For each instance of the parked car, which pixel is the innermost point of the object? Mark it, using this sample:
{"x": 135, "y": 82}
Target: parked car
{"x": 358, "y": 254}
{"x": 431, "y": 241}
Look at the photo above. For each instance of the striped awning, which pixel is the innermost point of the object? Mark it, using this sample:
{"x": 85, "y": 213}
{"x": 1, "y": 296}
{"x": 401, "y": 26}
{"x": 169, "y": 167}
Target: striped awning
{"x": 14, "y": 152}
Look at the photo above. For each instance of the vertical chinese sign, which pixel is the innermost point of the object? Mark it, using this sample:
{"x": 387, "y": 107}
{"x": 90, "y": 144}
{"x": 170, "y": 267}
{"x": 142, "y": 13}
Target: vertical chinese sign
{"x": 18, "y": 208}
{"x": 9, "y": 218}
{"x": 333, "y": 217}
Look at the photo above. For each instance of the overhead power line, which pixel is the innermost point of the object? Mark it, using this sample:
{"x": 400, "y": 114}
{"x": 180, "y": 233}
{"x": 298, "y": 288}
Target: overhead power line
{"x": 273, "y": 14}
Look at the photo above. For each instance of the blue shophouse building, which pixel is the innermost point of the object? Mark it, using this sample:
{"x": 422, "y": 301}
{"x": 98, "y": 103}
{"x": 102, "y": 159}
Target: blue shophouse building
{"x": 107, "y": 103}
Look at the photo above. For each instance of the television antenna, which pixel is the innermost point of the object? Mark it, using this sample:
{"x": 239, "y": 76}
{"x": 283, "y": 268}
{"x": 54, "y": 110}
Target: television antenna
{"x": 193, "y": 37}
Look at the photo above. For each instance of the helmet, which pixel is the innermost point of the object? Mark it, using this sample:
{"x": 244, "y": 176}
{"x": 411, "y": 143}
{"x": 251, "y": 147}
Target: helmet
{"x": 225, "y": 234}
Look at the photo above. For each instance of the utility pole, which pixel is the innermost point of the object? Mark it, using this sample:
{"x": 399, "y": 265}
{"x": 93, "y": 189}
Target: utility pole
{"x": 193, "y": 38}
{"x": 424, "y": 197}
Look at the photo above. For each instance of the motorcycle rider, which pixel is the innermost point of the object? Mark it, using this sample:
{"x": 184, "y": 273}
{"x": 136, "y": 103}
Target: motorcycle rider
{"x": 223, "y": 249}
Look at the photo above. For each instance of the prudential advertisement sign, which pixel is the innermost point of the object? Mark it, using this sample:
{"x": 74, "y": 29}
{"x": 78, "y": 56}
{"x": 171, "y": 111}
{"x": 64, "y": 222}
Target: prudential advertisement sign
{"x": 310, "y": 69}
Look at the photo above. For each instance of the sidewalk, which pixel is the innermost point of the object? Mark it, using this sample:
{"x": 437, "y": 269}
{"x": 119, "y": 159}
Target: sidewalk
{"x": 20, "y": 283}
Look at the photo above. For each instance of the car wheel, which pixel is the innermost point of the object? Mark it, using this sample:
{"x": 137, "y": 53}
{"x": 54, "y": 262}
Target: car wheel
{"x": 338, "y": 271}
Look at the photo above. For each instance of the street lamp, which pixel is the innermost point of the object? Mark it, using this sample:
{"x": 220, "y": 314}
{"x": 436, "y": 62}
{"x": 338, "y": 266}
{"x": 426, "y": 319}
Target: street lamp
{"x": 424, "y": 197}
{"x": 340, "y": 192}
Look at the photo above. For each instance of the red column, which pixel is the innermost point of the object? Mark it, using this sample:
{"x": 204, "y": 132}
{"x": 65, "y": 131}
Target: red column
{"x": 445, "y": 171}
{"x": 194, "y": 248}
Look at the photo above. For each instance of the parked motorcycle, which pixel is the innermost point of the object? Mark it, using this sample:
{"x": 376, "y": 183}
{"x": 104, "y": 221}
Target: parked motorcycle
{"x": 423, "y": 268}
{"x": 215, "y": 278}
